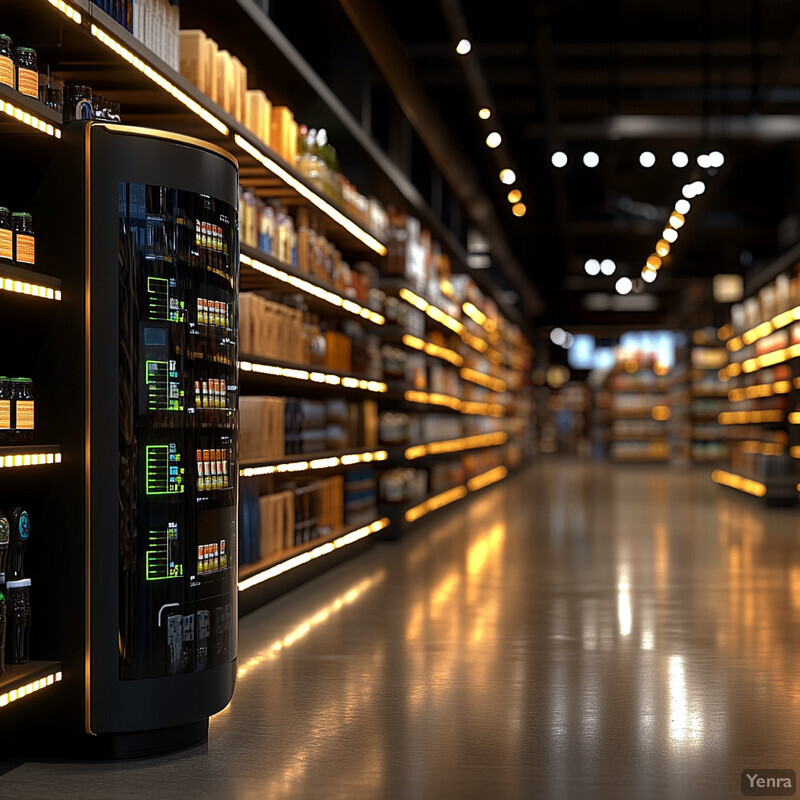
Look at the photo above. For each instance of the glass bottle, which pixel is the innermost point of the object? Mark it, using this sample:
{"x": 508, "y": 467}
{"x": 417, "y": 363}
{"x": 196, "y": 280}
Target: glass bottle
{"x": 7, "y": 69}
{"x": 6, "y": 235}
{"x": 27, "y": 72}
{"x": 24, "y": 241}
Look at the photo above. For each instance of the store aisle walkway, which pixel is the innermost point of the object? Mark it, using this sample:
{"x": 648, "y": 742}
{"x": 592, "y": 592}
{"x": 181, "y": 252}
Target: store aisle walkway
{"x": 577, "y": 631}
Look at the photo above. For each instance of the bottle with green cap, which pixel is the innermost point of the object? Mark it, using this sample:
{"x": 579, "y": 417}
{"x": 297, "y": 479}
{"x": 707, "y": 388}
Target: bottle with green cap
{"x": 6, "y": 235}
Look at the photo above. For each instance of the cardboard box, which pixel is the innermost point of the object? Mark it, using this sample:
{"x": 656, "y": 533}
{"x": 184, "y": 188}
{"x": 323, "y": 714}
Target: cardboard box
{"x": 282, "y": 127}
{"x": 224, "y": 70}
{"x": 256, "y": 118}
{"x": 193, "y": 58}
{"x": 238, "y": 88}
{"x": 210, "y": 66}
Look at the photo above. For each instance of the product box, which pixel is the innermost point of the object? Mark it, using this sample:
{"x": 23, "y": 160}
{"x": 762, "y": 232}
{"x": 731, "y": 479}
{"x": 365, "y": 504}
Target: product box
{"x": 225, "y": 83}
{"x": 238, "y": 88}
{"x": 257, "y": 114}
{"x": 261, "y": 428}
{"x": 194, "y": 51}
{"x": 338, "y": 351}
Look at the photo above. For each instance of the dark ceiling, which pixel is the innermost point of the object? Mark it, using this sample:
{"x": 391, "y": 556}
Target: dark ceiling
{"x": 615, "y": 78}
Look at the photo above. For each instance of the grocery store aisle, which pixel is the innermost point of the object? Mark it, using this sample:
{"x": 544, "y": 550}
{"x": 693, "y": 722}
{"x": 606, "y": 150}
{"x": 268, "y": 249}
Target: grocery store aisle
{"x": 577, "y": 631}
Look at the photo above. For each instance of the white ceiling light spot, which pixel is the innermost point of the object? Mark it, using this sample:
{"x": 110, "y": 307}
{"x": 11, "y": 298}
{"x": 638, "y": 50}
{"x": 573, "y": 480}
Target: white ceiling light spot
{"x": 592, "y": 266}
{"x": 494, "y": 139}
{"x": 558, "y": 336}
{"x": 647, "y": 159}
{"x": 624, "y": 285}
{"x": 485, "y": 113}
{"x": 463, "y": 47}
{"x": 683, "y": 207}
{"x": 508, "y": 176}
{"x": 569, "y": 340}
{"x": 559, "y": 159}
{"x": 607, "y": 266}
{"x": 680, "y": 159}
{"x": 716, "y": 158}
{"x": 591, "y": 159}
{"x": 688, "y": 191}
{"x": 699, "y": 187}
{"x": 649, "y": 275}
{"x": 704, "y": 161}
{"x": 670, "y": 234}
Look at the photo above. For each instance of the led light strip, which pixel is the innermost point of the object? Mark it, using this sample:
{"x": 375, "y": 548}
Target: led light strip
{"x": 435, "y": 350}
{"x": 476, "y": 315}
{"x": 312, "y": 289}
{"x": 454, "y": 445}
{"x": 30, "y": 688}
{"x": 313, "y": 376}
{"x": 760, "y": 362}
{"x": 435, "y": 502}
{"x": 487, "y": 478}
{"x": 745, "y": 417}
{"x": 32, "y": 289}
{"x": 472, "y": 375}
{"x": 446, "y": 400}
{"x": 794, "y": 452}
{"x": 758, "y": 391}
{"x": 764, "y": 329}
{"x": 66, "y": 9}
{"x": 303, "y": 190}
{"x": 29, "y": 459}
{"x": 794, "y": 418}
{"x": 317, "y": 463}
{"x": 317, "y": 552}
{"x": 761, "y": 448}
{"x": 26, "y": 118}
{"x": 160, "y": 80}
{"x": 738, "y": 482}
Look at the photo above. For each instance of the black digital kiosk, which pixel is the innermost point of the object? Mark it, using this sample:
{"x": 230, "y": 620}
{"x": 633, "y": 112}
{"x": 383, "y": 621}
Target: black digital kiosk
{"x": 137, "y": 588}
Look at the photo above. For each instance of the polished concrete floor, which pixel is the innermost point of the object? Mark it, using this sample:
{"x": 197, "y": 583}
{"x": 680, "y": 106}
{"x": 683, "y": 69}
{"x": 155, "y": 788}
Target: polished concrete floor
{"x": 579, "y": 631}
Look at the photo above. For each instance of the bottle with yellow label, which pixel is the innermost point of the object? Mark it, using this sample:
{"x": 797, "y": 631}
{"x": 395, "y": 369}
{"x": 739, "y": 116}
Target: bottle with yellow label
{"x": 7, "y": 68}
{"x": 24, "y": 242}
{"x": 27, "y": 72}
{"x": 5, "y": 409}
{"x": 22, "y": 409}
{"x": 6, "y": 235}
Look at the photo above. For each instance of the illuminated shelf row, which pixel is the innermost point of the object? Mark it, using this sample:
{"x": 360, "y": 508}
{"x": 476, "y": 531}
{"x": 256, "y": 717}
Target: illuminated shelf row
{"x": 445, "y": 498}
{"x": 199, "y": 105}
{"x": 28, "y": 456}
{"x": 454, "y": 403}
{"x": 764, "y": 329}
{"x": 750, "y": 417}
{"x": 312, "y": 289}
{"x": 314, "y": 553}
{"x": 752, "y": 447}
{"x": 760, "y": 390}
{"x": 749, "y": 365}
{"x": 314, "y": 376}
{"x": 434, "y": 350}
{"x": 456, "y": 445}
{"x": 307, "y": 465}
{"x": 22, "y": 680}
{"x": 734, "y": 481}
{"x": 451, "y": 323}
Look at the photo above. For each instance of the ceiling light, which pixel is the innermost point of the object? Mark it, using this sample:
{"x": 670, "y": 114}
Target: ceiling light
{"x": 649, "y": 275}
{"x": 662, "y": 247}
{"x": 463, "y": 47}
{"x": 485, "y": 113}
{"x": 558, "y": 336}
{"x": 493, "y": 139}
{"x": 591, "y": 159}
{"x": 569, "y": 340}
{"x": 699, "y": 187}
{"x": 518, "y": 209}
{"x": 683, "y": 206}
{"x": 688, "y": 191}
{"x": 647, "y": 159}
{"x": 592, "y": 266}
{"x": 559, "y": 159}
{"x": 507, "y": 176}
{"x": 624, "y": 285}
{"x": 680, "y": 159}
{"x": 607, "y": 266}
{"x": 670, "y": 234}
{"x": 653, "y": 262}
{"x": 514, "y": 196}
{"x": 716, "y": 158}
{"x": 703, "y": 161}
{"x": 676, "y": 219}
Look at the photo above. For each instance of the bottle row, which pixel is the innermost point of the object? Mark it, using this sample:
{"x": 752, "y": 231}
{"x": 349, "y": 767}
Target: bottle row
{"x": 16, "y": 410}
{"x": 17, "y": 241}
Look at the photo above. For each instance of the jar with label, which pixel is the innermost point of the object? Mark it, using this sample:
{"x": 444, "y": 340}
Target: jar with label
{"x": 5, "y": 409}
{"x": 77, "y": 102}
{"x": 7, "y": 71}
{"x": 27, "y": 72}
{"x": 18, "y": 610}
{"x": 24, "y": 242}
{"x": 6, "y": 235}
{"x": 22, "y": 409}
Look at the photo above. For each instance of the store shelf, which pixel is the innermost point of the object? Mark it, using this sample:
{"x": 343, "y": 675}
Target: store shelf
{"x": 19, "y": 280}
{"x": 764, "y": 329}
{"x": 447, "y": 447}
{"x": 150, "y": 91}
{"x": 418, "y": 400}
{"x": 25, "y": 115}
{"x": 263, "y": 272}
{"x": 21, "y": 680}
{"x": 303, "y": 379}
{"x": 277, "y": 574}
{"x": 302, "y": 464}
{"x": 29, "y": 455}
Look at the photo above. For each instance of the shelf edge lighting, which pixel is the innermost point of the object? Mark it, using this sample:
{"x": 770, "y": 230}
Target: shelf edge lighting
{"x": 32, "y": 121}
{"x": 310, "y": 555}
{"x": 29, "y": 459}
{"x": 738, "y": 482}
{"x": 32, "y": 289}
{"x": 312, "y": 289}
{"x": 314, "y": 376}
{"x": 764, "y": 329}
{"x": 487, "y": 478}
{"x": 159, "y": 80}
{"x": 433, "y": 503}
{"x": 316, "y": 463}
{"x": 454, "y": 445}
{"x": 303, "y": 190}
{"x": 435, "y": 350}
{"x": 30, "y": 688}
{"x": 67, "y": 10}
